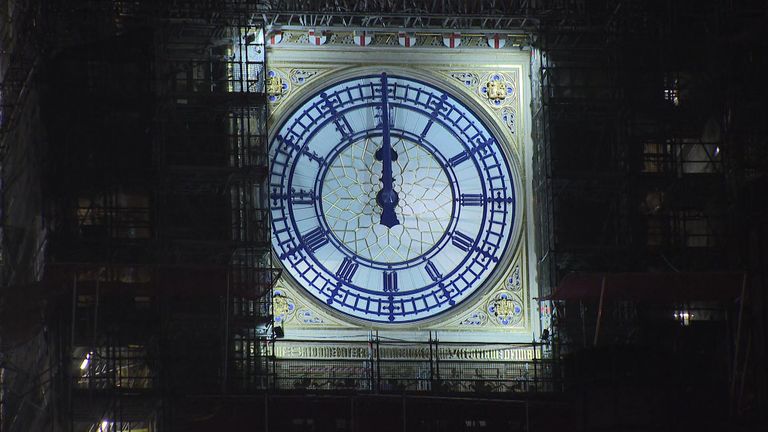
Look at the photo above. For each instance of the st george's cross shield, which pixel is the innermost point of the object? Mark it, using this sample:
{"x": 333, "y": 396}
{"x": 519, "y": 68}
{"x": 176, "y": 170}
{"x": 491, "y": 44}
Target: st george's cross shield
{"x": 496, "y": 41}
{"x": 275, "y": 37}
{"x": 452, "y": 40}
{"x": 317, "y": 37}
{"x": 362, "y": 38}
{"x": 406, "y": 39}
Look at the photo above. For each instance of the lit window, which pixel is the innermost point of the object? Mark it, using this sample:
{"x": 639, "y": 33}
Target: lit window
{"x": 672, "y": 90}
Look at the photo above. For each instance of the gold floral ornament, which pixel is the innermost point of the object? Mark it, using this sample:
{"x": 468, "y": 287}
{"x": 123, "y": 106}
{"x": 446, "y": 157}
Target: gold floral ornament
{"x": 496, "y": 89}
{"x": 282, "y": 307}
{"x": 506, "y": 309}
{"x": 277, "y": 85}
{"x": 274, "y": 86}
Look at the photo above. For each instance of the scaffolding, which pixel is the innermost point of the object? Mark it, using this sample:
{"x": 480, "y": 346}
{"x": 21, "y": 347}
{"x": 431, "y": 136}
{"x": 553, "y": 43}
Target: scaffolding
{"x": 519, "y": 16}
{"x": 160, "y": 234}
{"x": 631, "y": 166}
{"x": 625, "y": 169}
{"x": 18, "y": 61}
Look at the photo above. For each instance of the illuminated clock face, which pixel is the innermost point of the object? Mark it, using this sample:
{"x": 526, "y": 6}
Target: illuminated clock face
{"x": 391, "y": 201}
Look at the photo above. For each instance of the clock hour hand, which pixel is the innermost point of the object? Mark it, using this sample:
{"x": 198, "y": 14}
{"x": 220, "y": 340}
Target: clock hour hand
{"x": 387, "y": 197}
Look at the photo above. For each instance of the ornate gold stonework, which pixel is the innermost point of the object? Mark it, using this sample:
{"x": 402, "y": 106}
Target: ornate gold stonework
{"x": 292, "y": 309}
{"x": 500, "y": 308}
{"x": 282, "y": 82}
{"x": 281, "y": 305}
{"x": 497, "y": 90}
{"x": 504, "y": 306}
{"x": 274, "y": 86}
{"x": 389, "y": 39}
{"x": 352, "y": 351}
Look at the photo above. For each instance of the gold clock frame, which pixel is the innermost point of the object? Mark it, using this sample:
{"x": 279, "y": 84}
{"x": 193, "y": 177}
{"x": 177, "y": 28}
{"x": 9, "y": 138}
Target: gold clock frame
{"x": 296, "y": 70}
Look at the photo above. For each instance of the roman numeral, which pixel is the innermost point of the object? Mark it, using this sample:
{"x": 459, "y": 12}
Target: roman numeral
{"x": 346, "y": 270}
{"x": 315, "y": 239}
{"x": 471, "y": 200}
{"x": 390, "y": 281}
{"x": 462, "y": 241}
{"x": 432, "y": 271}
{"x": 459, "y": 158}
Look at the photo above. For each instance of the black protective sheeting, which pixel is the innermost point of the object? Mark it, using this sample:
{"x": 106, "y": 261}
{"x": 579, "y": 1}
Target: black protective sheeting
{"x": 650, "y": 287}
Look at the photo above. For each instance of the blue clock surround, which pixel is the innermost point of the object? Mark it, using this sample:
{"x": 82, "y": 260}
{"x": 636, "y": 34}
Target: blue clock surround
{"x": 394, "y": 298}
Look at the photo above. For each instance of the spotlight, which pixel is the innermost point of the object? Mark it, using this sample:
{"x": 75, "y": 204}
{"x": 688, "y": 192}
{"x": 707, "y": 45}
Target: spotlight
{"x": 86, "y": 360}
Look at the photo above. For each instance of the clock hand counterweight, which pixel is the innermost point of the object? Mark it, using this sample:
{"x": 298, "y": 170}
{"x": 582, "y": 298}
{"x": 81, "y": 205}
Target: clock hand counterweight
{"x": 387, "y": 197}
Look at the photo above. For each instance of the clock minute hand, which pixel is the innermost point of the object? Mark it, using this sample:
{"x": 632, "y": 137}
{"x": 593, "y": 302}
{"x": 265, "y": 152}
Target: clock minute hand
{"x": 387, "y": 197}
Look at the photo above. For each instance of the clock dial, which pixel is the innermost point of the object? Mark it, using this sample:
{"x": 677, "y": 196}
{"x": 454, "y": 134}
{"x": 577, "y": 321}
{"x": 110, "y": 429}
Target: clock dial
{"x": 349, "y": 201}
{"x": 392, "y": 202}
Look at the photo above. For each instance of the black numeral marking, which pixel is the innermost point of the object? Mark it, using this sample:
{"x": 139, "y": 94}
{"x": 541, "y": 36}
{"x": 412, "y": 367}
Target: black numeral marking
{"x": 315, "y": 239}
{"x": 459, "y": 158}
{"x": 346, "y": 270}
{"x": 462, "y": 241}
{"x": 390, "y": 281}
{"x": 471, "y": 200}
{"x": 432, "y": 271}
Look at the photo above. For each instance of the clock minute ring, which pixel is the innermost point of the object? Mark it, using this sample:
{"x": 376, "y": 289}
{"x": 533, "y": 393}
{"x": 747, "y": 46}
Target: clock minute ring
{"x": 449, "y": 142}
